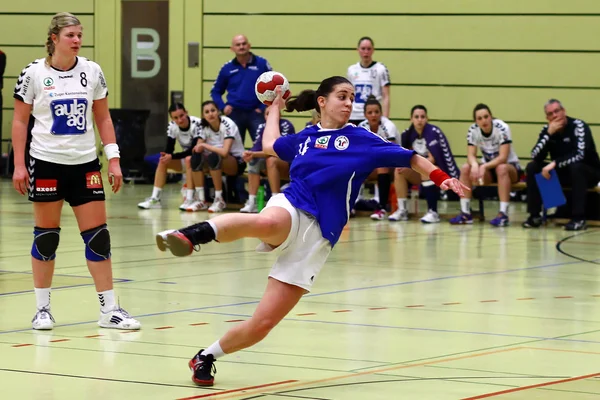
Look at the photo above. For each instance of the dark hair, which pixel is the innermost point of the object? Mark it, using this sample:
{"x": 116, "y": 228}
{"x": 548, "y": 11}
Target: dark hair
{"x": 366, "y": 38}
{"x": 481, "y": 106}
{"x": 176, "y": 106}
{"x": 307, "y": 99}
{"x": 417, "y": 107}
{"x": 372, "y": 101}
{"x": 203, "y": 122}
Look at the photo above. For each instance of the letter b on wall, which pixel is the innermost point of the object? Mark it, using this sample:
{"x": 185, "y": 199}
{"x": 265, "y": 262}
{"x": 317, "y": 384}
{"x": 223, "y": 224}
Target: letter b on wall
{"x": 143, "y": 49}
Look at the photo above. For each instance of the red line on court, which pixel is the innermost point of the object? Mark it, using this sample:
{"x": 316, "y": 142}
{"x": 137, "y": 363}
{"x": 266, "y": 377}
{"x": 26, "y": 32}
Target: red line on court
{"x": 450, "y": 304}
{"x": 378, "y": 308}
{"x": 488, "y": 301}
{"x": 199, "y": 323}
{"x": 164, "y": 327}
{"x": 92, "y": 336}
{"x": 59, "y": 340}
{"x": 306, "y": 313}
{"x": 22, "y": 345}
{"x": 576, "y": 378}
{"x": 527, "y": 298}
{"x": 237, "y": 390}
{"x": 338, "y": 311}
{"x": 129, "y": 331}
{"x": 416, "y": 305}
{"x": 563, "y": 297}
{"x": 235, "y": 320}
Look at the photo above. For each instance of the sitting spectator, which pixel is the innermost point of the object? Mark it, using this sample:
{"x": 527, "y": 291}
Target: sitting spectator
{"x": 183, "y": 129}
{"x": 430, "y": 142}
{"x": 259, "y": 161}
{"x": 386, "y": 129}
{"x": 219, "y": 148}
{"x": 499, "y": 163}
{"x": 571, "y": 147}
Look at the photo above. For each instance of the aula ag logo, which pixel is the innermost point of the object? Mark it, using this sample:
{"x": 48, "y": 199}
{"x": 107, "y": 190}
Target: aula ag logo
{"x": 69, "y": 116}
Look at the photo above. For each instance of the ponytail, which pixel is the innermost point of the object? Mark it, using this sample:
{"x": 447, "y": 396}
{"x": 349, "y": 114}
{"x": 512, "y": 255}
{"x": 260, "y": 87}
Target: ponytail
{"x": 306, "y": 100}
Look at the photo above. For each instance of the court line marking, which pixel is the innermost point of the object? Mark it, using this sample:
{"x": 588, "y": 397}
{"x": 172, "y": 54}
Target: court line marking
{"x": 325, "y": 293}
{"x": 519, "y": 389}
{"x": 238, "y": 390}
{"x": 562, "y": 350}
{"x": 394, "y": 368}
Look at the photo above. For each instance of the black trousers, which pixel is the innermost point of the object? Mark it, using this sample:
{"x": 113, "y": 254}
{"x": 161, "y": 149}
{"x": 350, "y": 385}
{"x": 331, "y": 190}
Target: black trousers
{"x": 579, "y": 177}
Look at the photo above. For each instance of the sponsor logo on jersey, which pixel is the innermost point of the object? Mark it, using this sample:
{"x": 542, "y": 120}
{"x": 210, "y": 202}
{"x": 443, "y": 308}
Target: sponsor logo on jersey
{"x": 65, "y": 76}
{"x": 253, "y": 67}
{"x": 322, "y": 142}
{"x": 45, "y": 185}
{"x": 49, "y": 83}
{"x": 69, "y": 116}
{"x": 342, "y": 143}
{"x": 102, "y": 81}
{"x": 93, "y": 180}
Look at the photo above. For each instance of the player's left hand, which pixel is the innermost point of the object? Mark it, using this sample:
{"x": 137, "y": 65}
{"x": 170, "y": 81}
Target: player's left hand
{"x": 279, "y": 102}
{"x": 455, "y": 185}
{"x": 115, "y": 176}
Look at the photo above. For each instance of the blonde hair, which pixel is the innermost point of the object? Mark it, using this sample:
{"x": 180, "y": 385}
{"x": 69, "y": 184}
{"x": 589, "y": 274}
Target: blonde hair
{"x": 59, "y": 21}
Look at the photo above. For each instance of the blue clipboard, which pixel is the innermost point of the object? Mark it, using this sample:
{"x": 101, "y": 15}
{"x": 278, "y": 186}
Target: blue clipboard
{"x": 550, "y": 190}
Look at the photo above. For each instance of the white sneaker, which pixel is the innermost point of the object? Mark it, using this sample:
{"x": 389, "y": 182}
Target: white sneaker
{"x": 378, "y": 215}
{"x": 42, "y": 320}
{"x": 250, "y": 207}
{"x": 118, "y": 319}
{"x": 186, "y": 204}
{"x": 217, "y": 206}
{"x": 197, "y": 206}
{"x": 161, "y": 239}
{"x": 149, "y": 203}
{"x": 431, "y": 217}
{"x": 399, "y": 215}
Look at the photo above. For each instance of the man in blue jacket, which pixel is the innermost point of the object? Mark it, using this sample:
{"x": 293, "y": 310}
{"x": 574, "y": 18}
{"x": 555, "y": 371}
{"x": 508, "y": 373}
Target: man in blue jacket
{"x": 238, "y": 77}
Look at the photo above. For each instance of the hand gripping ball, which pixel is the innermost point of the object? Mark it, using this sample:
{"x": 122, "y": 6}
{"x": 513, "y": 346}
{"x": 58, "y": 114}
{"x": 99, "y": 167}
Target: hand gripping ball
{"x": 266, "y": 84}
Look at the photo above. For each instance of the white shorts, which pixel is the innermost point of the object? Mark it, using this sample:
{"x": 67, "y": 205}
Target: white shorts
{"x": 303, "y": 253}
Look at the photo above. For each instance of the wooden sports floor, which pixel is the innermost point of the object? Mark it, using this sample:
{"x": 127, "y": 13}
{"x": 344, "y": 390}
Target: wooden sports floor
{"x": 400, "y": 311}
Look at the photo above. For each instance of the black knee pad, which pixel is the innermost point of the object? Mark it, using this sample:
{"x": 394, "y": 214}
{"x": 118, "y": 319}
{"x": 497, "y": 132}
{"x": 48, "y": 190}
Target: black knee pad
{"x": 97, "y": 243}
{"x": 197, "y": 161}
{"x": 214, "y": 161}
{"x": 45, "y": 243}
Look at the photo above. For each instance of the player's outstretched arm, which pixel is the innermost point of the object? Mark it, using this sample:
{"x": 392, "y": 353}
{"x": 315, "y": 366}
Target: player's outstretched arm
{"x": 272, "y": 132}
{"x": 424, "y": 167}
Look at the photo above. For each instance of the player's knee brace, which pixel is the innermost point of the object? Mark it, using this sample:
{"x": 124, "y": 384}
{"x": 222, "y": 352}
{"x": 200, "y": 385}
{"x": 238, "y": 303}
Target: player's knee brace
{"x": 214, "y": 161}
{"x": 45, "y": 243}
{"x": 197, "y": 161}
{"x": 97, "y": 243}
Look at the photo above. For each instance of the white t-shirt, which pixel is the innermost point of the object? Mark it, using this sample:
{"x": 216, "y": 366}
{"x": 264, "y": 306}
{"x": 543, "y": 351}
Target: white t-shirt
{"x": 367, "y": 81}
{"x": 62, "y": 106}
{"x": 386, "y": 130}
{"x": 227, "y": 130}
{"x": 186, "y": 137}
{"x": 490, "y": 144}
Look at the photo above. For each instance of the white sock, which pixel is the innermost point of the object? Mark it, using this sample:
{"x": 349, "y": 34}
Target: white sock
{"x": 156, "y": 192}
{"x": 504, "y": 207}
{"x": 42, "y": 298}
{"x": 107, "y": 300}
{"x": 200, "y": 194}
{"x": 218, "y": 194}
{"x": 212, "y": 225}
{"x": 465, "y": 205}
{"x": 214, "y": 349}
{"x": 252, "y": 198}
{"x": 402, "y": 204}
{"x": 189, "y": 194}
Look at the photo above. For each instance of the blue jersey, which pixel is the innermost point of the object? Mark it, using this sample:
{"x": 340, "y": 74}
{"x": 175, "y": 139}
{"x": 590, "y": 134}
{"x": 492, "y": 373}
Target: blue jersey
{"x": 328, "y": 167}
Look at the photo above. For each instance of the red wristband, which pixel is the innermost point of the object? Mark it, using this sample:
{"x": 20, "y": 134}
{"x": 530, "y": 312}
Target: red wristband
{"x": 438, "y": 176}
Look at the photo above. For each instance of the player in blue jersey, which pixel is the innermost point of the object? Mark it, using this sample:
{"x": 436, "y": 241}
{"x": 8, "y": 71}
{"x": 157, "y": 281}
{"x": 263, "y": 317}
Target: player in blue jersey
{"x": 329, "y": 161}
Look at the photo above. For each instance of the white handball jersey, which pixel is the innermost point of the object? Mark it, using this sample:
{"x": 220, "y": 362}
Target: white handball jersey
{"x": 367, "y": 81}
{"x": 227, "y": 130}
{"x": 185, "y": 137}
{"x": 490, "y": 144}
{"x": 386, "y": 130}
{"x": 62, "y": 106}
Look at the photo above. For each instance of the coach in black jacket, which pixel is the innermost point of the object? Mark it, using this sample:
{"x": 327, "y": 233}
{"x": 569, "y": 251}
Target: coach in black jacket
{"x": 573, "y": 153}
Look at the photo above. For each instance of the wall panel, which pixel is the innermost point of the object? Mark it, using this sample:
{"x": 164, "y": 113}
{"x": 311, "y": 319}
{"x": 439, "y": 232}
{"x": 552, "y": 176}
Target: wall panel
{"x": 12, "y": 30}
{"x": 48, "y": 6}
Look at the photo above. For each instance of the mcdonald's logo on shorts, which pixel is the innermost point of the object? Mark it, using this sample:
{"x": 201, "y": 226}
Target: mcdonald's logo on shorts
{"x": 93, "y": 180}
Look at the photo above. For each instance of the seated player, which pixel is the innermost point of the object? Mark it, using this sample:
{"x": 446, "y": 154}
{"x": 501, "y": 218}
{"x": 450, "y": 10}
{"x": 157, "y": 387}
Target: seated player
{"x": 183, "y": 128}
{"x": 259, "y": 161}
{"x": 499, "y": 163}
{"x": 430, "y": 142}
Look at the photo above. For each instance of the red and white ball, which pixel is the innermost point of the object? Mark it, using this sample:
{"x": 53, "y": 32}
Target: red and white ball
{"x": 266, "y": 84}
